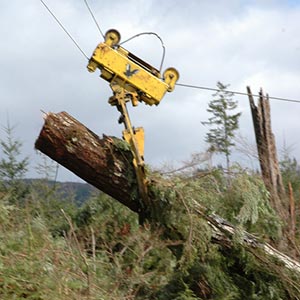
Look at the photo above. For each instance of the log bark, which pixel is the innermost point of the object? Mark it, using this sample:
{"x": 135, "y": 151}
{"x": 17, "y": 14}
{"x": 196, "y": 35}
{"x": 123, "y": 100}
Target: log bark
{"x": 107, "y": 164}
{"x": 104, "y": 163}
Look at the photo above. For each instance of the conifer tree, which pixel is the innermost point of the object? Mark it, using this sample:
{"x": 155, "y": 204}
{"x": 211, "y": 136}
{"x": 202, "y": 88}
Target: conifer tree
{"x": 12, "y": 167}
{"x": 222, "y": 124}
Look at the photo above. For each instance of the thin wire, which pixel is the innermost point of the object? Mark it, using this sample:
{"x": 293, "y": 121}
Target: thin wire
{"x": 64, "y": 29}
{"x": 163, "y": 56}
{"x": 161, "y": 41}
{"x": 93, "y": 16}
{"x": 237, "y": 93}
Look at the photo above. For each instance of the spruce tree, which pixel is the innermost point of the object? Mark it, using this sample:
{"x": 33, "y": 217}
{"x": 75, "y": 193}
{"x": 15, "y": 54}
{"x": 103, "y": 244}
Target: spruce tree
{"x": 12, "y": 167}
{"x": 222, "y": 124}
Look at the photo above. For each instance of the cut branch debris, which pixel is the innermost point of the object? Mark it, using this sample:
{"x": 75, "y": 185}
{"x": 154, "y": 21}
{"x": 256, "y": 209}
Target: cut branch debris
{"x": 107, "y": 164}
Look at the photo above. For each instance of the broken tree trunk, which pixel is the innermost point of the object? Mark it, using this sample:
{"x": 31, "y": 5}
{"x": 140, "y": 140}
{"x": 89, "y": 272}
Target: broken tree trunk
{"x": 266, "y": 148}
{"x": 107, "y": 164}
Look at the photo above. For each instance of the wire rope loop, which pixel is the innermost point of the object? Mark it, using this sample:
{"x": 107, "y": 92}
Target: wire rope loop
{"x": 161, "y": 41}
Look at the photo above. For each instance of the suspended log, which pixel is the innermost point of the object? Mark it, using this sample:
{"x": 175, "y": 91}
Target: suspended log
{"x": 106, "y": 163}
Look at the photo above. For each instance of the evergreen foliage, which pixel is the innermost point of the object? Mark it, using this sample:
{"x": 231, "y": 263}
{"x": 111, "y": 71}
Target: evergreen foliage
{"x": 52, "y": 249}
{"x": 12, "y": 167}
{"x": 223, "y": 124}
{"x": 103, "y": 253}
{"x": 290, "y": 171}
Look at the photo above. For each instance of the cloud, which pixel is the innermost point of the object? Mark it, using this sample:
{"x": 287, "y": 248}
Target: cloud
{"x": 242, "y": 43}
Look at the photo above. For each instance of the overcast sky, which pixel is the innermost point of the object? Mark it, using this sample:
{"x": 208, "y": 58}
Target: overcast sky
{"x": 240, "y": 43}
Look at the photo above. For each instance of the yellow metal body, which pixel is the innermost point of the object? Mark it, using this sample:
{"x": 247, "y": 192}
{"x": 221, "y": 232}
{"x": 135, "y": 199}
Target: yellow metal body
{"x": 139, "y": 136}
{"x": 134, "y": 137}
{"x": 130, "y": 72}
{"x": 131, "y": 79}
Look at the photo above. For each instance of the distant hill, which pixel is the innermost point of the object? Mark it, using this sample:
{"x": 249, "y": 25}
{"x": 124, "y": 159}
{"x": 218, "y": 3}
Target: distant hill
{"x": 80, "y": 191}
{"x": 77, "y": 191}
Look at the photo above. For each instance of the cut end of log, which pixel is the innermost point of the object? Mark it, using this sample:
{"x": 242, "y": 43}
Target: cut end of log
{"x": 100, "y": 162}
